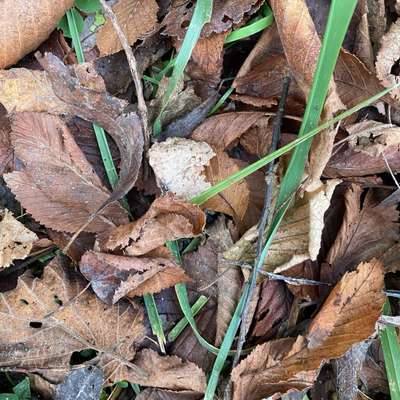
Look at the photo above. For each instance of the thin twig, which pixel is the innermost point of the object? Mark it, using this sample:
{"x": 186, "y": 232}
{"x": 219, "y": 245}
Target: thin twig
{"x": 264, "y": 217}
{"x": 133, "y": 66}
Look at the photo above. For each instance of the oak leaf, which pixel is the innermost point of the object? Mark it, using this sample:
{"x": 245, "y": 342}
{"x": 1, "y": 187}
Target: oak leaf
{"x": 135, "y": 19}
{"x": 167, "y": 219}
{"x": 16, "y": 240}
{"x": 57, "y": 185}
{"x": 26, "y": 24}
{"x": 113, "y": 277}
{"x": 43, "y": 321}
{"x": 348, "y": 316}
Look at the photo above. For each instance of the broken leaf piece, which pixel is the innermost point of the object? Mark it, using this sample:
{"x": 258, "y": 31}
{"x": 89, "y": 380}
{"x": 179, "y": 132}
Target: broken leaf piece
{"x": 25, "y": 24}
{"x": 113, "y": 277}
{"x": 57, "y": 185}
{"x": 299, "y": 236}
{"x": 348, "y": 316}
{"x": 167, "y": 219}
{"x": 135, "y": 17}
{"x": 179, "y": 166}
{"x": 43, "y": 321}
{"x": 16, "y": 241}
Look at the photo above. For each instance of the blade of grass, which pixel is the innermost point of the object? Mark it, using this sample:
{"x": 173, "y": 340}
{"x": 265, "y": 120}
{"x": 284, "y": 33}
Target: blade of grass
{"x": 201, "y": 15}
{"x": 182, "y": 324}
{"x": 221, "y": 101}
{"x": 154, "y": 317}
{"x": 338, "y": 20}
{"x": 391, "y": 354}
{"x": 252, "y": 27}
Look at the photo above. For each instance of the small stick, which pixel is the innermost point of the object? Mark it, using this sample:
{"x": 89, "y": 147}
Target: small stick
{"x": 264, "y": 217}
{"x": 133, "y": 66}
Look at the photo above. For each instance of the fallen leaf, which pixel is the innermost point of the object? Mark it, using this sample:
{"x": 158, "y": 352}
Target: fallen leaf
{"x": 367, "y": 231}
{"x": 26, "y": 24}
{"x": 205, "y": 65}
{"x": 43, "y": 321}
{"x": 16, "y": 240}
{"x": 6, "y": 150}
{"x": 298, "y": 238}
{"x": 57, "y": 185}
{"x": 225, "y": 14}
{"x": 387, "y": 57}
{"x": 222, "y": 131}
{"x": 179, "y": 166}
{"x": 167, "y": 219}
{"x": 157, "y": 394}
{"x": 113, "y": 277}
{"x": 83, "y": 96}
{"x": 348, "y": 316}
{"x": 135, "y": 18}
{"x": 170, "y": 372}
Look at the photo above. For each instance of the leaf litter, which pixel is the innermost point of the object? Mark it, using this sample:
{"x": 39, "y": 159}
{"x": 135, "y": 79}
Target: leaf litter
{"x": 320, "y": 293}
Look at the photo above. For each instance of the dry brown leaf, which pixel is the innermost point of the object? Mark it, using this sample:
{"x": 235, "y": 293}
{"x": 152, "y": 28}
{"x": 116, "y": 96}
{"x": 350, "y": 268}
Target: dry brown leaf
{"x": 387, "y": 57}
{"x": 16, "y": 241}
{"x": 57, "y": 185}
{"x": 113, "y": 277}
{"x": 298, "y": 238}
{"x": 222, "y": 131}
{"x": 179, "y": 166}
{"x": 348, "y": 316}
{"x": 367, "y": 231}
{"x": 6, "y": 150}
{"x": 135, "y": 17}
{"x": 26, "y": 24}
{"x": 157, "y": 394}
{"x": 170, "y": 372}
{"x": 205, "y": 65}
{"x": 43, "y": 323}
{"x": 226, "y": 13}
{"x": 167, "y": 219}
{"x": 83, "y": 93}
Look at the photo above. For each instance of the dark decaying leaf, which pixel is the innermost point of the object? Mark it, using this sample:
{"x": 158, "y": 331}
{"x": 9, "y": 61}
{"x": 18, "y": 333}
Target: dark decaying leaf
{"x": 167, "y": 219}
{"x": 81, "y": 384}
{"x": 368, "y": 230}
{"x": 82, "y": 90}
{"x": 43, "y": 321}
{"x": 113, "y": 277}
{"x": 348, "y": 316}
{"x": 6, "y": 150}
{"x": 57, "y": 185}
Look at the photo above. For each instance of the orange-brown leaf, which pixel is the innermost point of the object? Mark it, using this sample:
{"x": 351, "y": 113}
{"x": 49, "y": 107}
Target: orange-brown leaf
{"x": 348, "y": 316}
{"x": 25, "y": 24}
{"x": 57, "y": 185}
{"x": 167, "y": 219}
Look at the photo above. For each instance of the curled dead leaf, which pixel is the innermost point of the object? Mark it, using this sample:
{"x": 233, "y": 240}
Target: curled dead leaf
{"x": 43, "y": 321}
{"x": 135, "y": 19}
{"x": 26, "y": 24}
{"x": 16, "y": 240}
{"x": 113, "y": 277}
{"x": 57, "y": 185}
{"x": 348, "y": 316}
{"x": 167, "y": 219}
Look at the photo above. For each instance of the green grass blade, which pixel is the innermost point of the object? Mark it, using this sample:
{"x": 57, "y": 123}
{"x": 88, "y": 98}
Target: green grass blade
{"x": 183, "y": 323}
{"x": 221, "y": 101}
{"x": 252, "y": 27}
{"x": 201, "y": 15}
{"x": 112, "y": 175}
{"x": 155, "y": 320}
{"x": 391, "y": 354}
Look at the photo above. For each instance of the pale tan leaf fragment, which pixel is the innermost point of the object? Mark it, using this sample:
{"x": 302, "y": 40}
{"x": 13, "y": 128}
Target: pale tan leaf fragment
{"x": 299, "y": 236}
{"x": 16, "y": 241}
{"x": 113, "y": 277}
{"x": 43, "y": 321}
{"x": 179, "y": 166}
{"x": 348, "y": 316}
{"x": 57, "y": 185}
{"x": 387, "y": 57}
{"x": 167, "y": 219}
{"x": 135, "y": 17}
{"x": 25, "y": 24}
